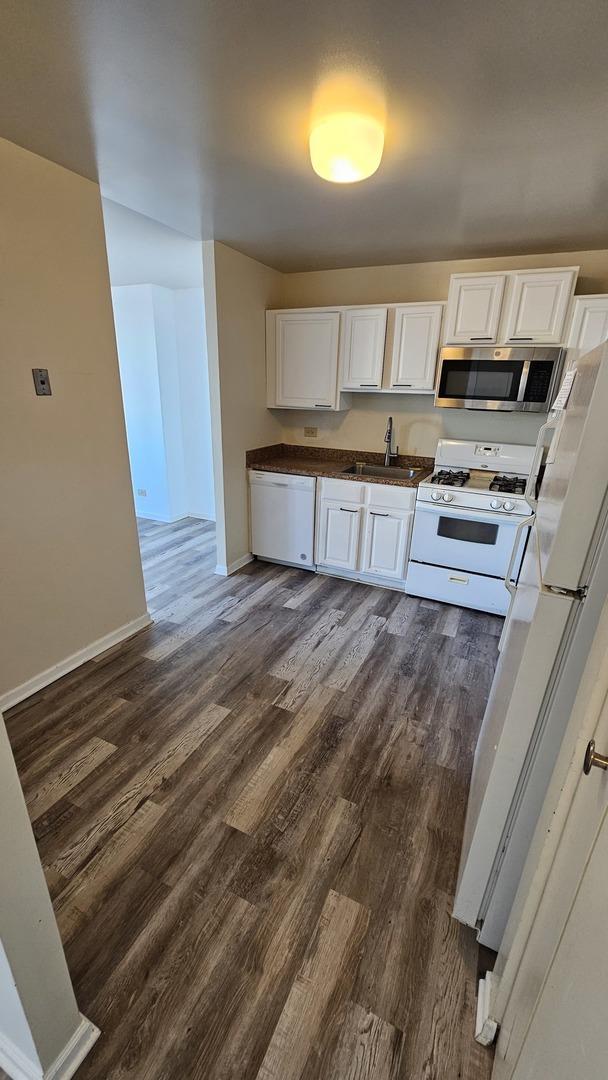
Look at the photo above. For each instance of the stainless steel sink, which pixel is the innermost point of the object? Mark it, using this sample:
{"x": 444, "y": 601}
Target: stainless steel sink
{"x": 391, "y": 472}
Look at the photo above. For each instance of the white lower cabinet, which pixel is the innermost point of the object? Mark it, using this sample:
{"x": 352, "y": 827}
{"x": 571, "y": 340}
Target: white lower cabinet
{"x": 339, "y": 526}
{"x": 385, "y": 542}
{"x": 364, "y": 531}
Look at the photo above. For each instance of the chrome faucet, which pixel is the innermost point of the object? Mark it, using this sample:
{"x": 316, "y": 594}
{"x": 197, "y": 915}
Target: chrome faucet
{"x": 388, "y": 438}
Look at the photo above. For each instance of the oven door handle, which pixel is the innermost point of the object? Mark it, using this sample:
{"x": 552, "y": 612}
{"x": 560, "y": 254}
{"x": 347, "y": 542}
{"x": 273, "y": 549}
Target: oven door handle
{"x": 521, "y": 525}
{"x": 470, "y": 513}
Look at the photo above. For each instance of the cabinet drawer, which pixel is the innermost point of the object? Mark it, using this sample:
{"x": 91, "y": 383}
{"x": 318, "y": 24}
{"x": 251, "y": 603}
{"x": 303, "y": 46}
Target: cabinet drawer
{"x": 351, "y": 490}
{"x": 393, "y": 498}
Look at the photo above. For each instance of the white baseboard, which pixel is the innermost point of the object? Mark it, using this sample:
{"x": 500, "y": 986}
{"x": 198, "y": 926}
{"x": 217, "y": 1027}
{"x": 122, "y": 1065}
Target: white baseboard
{"x": 19, "y": 1067}
{"x": 38, "y": 682}
{"x": 225, "y": 571}
{"x": 485, "y": 1027}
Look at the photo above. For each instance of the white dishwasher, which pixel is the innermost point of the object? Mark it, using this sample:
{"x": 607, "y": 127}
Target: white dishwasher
{"x": 283, "y": 517}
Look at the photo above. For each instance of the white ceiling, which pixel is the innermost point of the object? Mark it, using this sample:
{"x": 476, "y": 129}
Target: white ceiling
{"x": 144, "y": 252}
{"x": 195, "y": 113}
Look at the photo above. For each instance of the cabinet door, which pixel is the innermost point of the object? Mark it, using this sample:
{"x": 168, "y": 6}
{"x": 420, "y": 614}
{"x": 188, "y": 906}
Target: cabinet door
{"x": 414, "y": 347}
{"x": 363, "y": 334}
{"x": 538, "y": 305}
{"x": 589, "y": 326}
{"x": 307, "y": 359}
{"x": 473, "y": 312}
{"x": 386, "y": 542}
{"x": 339, "y": 534}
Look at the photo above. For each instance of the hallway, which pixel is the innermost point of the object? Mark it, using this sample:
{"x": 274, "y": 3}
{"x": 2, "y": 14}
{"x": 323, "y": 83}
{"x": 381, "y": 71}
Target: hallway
{"x": 250, "y": 818}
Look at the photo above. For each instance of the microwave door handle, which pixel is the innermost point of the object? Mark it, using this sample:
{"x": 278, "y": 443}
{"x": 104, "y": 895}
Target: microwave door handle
{"x": 520, "y": 525}
{"x": 523, "y": 380}
{"x": 530, "y": 489}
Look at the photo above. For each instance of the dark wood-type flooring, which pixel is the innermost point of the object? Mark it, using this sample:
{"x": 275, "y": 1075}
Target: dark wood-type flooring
{"x": 250, "y": 818}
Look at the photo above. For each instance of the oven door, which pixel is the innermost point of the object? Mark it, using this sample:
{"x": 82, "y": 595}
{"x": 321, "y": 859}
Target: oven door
{"x": 460, "y": 539}
{"x": 507, "y": 380}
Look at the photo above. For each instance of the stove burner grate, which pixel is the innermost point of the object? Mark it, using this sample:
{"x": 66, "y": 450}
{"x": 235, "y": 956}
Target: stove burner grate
{"x": 450, "y": 477}
{"x": 509, "y": 485}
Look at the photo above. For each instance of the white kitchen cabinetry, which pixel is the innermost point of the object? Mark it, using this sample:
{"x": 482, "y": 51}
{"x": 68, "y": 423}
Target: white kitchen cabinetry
{"x": 339, "y": 527}
{"x": 386, "y": 541}
{"x": 589, "y": 325}
{"x": 362, "y": 349}
{"x": 536, "y": 306}
{"x": 365, "y": 532}
{"x": 474, "y": 306}
{"x": 302, "y": 359}
{"x": 412, "y": 343}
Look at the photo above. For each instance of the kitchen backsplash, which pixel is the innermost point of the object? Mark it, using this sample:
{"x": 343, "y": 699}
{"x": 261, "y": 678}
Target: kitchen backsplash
{"x": 418, "y": 425}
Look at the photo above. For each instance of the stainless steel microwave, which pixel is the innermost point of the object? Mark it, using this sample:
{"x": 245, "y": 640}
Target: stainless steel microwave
{"x": 523, "y": 379}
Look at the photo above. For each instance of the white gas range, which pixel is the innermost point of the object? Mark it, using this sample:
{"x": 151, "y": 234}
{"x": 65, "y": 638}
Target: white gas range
{"x": 470, "y": 525}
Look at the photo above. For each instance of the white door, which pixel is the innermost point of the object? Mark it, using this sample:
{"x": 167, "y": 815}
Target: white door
{"x": 473, "y": 311}
{"x": 363, "y": 334}
{"x": 414, "y": 346}
{"x": 553, "y": 983}
{"x": 539, "y": 302}
{"x": 386, "y": 541}
{"x": 339, "y": 526}
{"x": 307, "y": 359}
{"x": 589, "y": 326}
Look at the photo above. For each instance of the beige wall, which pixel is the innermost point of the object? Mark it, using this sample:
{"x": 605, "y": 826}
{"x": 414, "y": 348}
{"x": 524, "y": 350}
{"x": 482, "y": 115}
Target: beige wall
{"x": 69, "y": 557}
{"x": 237, "y": 292}
{"x": 426, "y": 281}
{"x": 418, "y": 424}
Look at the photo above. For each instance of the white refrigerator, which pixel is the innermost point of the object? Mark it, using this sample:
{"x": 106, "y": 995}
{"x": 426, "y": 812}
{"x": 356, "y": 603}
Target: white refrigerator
{"x": 545, "y": 642}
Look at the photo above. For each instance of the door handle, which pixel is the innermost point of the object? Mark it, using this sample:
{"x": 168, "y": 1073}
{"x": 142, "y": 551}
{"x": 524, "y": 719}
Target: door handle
{"x": 592, "y": 758}
{"x": 530, "y": 490}
{"x": 522, "y": 524}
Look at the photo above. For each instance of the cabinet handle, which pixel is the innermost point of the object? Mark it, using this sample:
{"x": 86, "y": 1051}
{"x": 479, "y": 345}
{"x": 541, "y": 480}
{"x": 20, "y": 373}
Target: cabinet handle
{"x": 375, "y": 513}
{"x": 347, "y": 511}
{"x": 369, "y": 385}
{"x": 322, "y": 406}
{"x": 481, "y": 339}
{"x": 521, "y": 339}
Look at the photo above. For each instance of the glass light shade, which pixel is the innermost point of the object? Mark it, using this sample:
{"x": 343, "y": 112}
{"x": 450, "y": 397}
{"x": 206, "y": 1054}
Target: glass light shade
{"x": 346, "y": 147}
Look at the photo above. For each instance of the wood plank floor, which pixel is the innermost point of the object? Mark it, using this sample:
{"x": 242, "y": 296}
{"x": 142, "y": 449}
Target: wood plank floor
{"x": 250, "y": 818}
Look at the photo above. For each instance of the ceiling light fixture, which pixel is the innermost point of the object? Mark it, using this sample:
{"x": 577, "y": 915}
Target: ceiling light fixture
{"x": 346, "y": 147}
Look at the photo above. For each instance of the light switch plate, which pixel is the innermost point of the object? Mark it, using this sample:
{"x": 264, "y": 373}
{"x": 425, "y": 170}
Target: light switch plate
{"x": 311, "y": 432}
{"x": 42, "y": 381}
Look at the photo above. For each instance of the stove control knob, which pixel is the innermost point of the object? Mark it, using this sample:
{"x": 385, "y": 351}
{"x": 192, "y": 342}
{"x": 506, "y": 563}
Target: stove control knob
{"x": 435, "y": 496}
{"x": 448, "y": 497}
{"x": 508, "y": 505}
{"x": 496, "y": 504}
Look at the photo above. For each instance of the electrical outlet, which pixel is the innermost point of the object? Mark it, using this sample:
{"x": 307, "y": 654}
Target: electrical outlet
{"x": 142, "y": 491}
{"x": 311, "y": 432}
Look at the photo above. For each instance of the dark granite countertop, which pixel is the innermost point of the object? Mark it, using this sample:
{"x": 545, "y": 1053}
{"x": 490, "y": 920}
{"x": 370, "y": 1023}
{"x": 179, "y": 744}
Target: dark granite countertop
{"x": 325, "y": 461}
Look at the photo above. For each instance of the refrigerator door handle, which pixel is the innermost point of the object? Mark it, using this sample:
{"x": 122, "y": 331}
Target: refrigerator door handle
{"x": 521, "y": 525}
{"x": 530, "y": 490}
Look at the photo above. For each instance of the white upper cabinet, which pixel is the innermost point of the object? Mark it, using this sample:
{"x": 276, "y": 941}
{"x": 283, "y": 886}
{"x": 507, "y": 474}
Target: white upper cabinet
{"x": 362, "y": 349}
{"x": 413, "y": 341}
{"x": 302, "y": 359}
{"x": 589, "y": 326}
{"x": 474, "y": 306}
{"x": 537, "y": 304}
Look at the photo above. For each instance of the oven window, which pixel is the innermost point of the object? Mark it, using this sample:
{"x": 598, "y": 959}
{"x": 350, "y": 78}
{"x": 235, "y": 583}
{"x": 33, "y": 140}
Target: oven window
{"x": 481, "y": 380}
{"x": 472, "y": 532}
